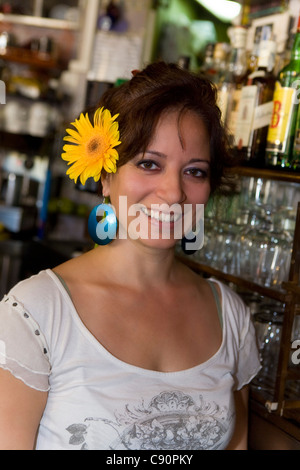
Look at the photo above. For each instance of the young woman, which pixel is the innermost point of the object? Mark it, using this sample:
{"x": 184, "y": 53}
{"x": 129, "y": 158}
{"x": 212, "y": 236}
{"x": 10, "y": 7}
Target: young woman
{"x": 124, "y": 347}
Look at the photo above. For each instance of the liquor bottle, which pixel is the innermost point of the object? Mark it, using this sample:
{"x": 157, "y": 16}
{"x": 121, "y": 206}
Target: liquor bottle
{"x": 220, "y": 59}
{"x": 208, "y": 61}
{"x": 256, "y": 106}
{"x": 281, "y": 132}
{"x": 253, "y": 56}
{"x": 295, "y": 160}
{"x": 229, "y": 89}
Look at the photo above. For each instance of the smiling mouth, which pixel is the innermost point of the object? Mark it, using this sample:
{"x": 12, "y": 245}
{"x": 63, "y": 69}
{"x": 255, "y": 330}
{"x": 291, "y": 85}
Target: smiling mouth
{"x": 161, "y": 216}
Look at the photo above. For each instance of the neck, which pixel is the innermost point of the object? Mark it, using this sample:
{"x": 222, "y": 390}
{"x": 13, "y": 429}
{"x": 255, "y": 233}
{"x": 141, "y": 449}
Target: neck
{"x": 140, "y": 266}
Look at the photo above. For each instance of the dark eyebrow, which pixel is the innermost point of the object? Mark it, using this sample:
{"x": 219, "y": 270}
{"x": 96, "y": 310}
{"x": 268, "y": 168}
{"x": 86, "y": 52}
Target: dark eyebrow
{"x": 199, "y": 160}
{"x": 154, "y": 152}
{"x": 163, "y": 155}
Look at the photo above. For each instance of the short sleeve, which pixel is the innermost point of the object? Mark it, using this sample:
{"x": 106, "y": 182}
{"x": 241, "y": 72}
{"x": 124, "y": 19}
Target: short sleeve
{"x": 23, "y": 348}
{"x": 248, "y": 360}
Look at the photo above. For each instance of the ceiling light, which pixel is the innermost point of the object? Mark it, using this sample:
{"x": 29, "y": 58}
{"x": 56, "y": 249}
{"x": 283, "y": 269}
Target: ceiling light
{"x": 225, "y": 10}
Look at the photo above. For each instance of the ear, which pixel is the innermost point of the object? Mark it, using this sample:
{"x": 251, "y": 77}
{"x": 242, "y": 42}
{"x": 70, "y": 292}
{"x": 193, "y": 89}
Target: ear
{"x": 105, "y": 181}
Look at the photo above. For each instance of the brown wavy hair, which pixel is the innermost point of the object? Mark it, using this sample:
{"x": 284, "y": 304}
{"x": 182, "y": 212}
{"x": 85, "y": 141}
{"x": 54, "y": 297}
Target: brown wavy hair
{"x": 158, "y": 88}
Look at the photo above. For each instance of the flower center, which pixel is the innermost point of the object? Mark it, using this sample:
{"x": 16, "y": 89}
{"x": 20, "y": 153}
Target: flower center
{"x": 95, "y": 146}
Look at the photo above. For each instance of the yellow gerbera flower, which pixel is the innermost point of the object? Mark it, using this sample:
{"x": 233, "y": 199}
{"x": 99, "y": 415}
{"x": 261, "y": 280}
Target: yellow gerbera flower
{"x": 92, "y": 147}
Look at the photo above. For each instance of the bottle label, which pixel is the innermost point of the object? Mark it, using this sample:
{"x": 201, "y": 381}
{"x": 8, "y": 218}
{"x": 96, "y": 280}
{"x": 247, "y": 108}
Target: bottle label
{"x": 283, "y": 106}
{"x": 245, "y": 115}
{"x": 267, "y": 51}
{"x": 262, "y": 115}
{"x": 223, "y": 103}
{"x": 233, "y": 110}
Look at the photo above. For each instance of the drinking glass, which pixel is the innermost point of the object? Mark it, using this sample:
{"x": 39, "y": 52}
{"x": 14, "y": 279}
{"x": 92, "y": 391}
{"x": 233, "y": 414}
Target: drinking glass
{"x": 268, "y": 324}
{"x": 273, "y": 256}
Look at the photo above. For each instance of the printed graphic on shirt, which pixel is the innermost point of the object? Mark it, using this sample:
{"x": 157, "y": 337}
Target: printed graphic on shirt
{"x": 171, "y": 420}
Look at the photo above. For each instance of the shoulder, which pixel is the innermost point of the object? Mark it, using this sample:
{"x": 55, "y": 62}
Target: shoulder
{"x": 236, "y": 314}
{"x": 26, "y": 328}
{"x": 230, "y": 298}
{"x": 39, "y": 292}
{"x": 43, "y": 298}
{"x": 39, "y": 289}
{"x": 43, "y": 278}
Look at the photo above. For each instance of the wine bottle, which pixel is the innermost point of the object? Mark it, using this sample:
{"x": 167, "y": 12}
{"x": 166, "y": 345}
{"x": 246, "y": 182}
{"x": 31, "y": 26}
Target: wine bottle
{"x": 256, "y": 105}
{"x": 295, "y": 160}
{"x": 220, "y": 60}
{"x": 281, "y": 132}
{"x": 229, "y": 89}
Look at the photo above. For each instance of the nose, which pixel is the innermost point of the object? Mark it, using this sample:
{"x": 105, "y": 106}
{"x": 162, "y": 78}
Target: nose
{"x": 170, "y": 188}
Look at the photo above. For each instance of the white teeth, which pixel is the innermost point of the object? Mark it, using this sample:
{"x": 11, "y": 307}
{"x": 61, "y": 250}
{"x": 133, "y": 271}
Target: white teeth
{"x": 161, "y": 216}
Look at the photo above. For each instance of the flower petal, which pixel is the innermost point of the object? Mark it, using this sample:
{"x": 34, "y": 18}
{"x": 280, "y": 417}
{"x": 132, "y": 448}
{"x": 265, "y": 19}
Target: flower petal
{"x": 74, "y": 134}
{"x": 73, "y": 140}
{"x": 109, "y": 165}
{"x": 113, "y": 154}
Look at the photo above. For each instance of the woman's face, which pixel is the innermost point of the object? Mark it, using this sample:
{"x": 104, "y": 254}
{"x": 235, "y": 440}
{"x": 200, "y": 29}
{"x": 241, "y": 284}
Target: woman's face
{"x": 173, "y": 172}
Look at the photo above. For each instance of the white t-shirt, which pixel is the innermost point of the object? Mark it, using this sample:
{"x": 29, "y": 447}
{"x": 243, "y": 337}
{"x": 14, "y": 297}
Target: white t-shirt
{"x": 96, "y": 401}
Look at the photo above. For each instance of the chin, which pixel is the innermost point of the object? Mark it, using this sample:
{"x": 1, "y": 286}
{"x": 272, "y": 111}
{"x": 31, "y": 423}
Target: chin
{"x": 159, "y": 244}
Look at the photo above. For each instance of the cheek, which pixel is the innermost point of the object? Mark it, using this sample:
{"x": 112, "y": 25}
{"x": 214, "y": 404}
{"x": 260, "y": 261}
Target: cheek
{"x": 129, "y": 189}
{"x": 135, "y": 188}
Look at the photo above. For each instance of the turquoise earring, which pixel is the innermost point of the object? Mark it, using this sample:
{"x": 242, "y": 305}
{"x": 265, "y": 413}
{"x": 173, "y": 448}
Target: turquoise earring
{"x": 104, "y": 231}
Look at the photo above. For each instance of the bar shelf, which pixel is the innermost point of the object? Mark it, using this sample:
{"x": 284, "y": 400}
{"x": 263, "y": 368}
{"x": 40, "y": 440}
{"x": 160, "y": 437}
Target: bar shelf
{"x": 281, "y": 407}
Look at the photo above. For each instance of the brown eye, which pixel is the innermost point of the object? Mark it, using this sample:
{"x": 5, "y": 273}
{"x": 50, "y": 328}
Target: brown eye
{"x": 148, "y": 165}
{"x": 196, "y": 173}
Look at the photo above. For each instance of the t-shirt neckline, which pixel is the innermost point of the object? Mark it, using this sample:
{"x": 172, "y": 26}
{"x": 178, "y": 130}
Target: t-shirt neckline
{"x": 119, "y": 362}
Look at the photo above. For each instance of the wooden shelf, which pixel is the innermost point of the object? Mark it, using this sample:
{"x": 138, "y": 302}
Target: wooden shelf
{"x": 30, "y": 58}
{"x": 39, "y": 22}
{"x": 276, "y": 294}
{"x": 267, "y": 173}
{"x": 290, "y": 423}
{"x": 294, "y": 288}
